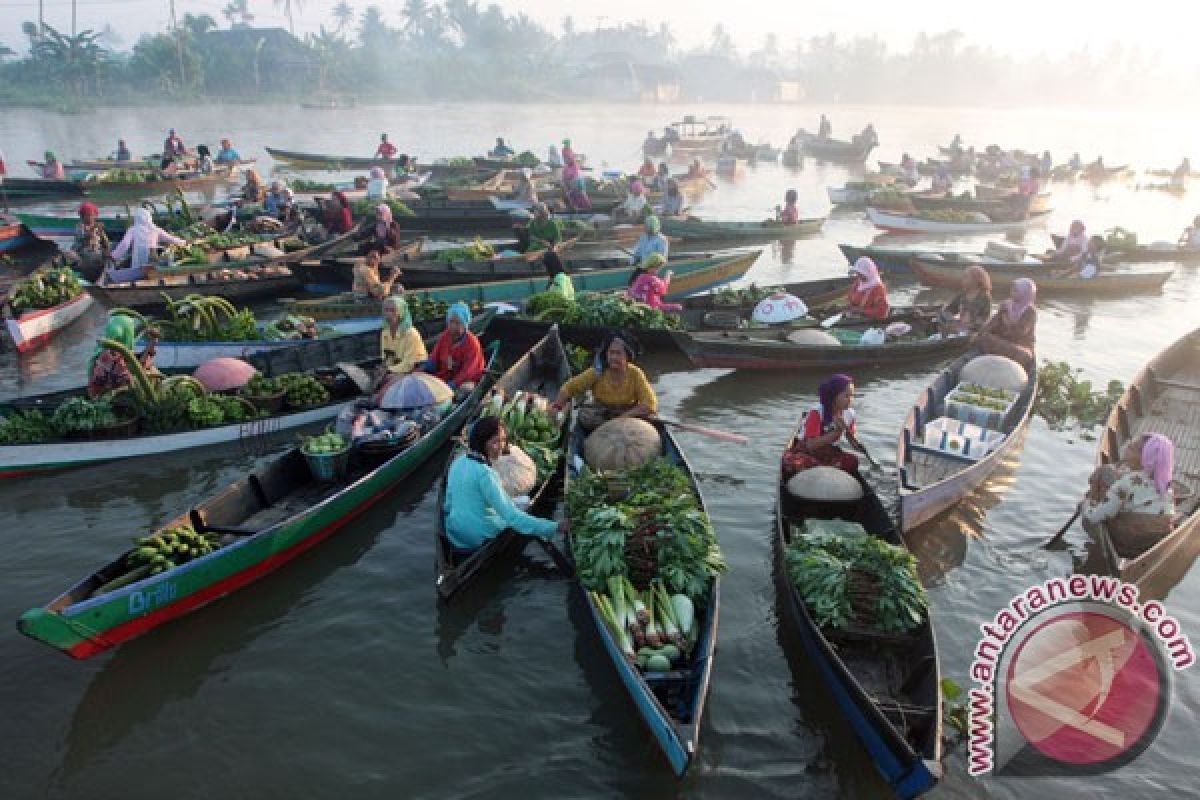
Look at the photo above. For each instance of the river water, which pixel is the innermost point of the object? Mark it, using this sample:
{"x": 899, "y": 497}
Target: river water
{"x": 340, "y": 676}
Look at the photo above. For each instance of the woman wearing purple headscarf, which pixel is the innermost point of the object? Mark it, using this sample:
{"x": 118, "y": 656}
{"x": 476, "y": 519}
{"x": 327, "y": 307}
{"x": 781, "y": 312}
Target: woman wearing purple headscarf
{"x": 384, "y": 236}
{"x": 1011, "y": 330}
{"x": 825, "y": 426}
{"x": 1136, "y": 498}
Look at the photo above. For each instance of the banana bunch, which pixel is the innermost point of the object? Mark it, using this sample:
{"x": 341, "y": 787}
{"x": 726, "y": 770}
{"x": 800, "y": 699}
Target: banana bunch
{"x": 164, "y": 550}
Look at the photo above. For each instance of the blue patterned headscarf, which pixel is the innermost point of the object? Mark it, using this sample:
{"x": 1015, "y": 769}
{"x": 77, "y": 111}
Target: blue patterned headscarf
{"x": 461, "y": 311}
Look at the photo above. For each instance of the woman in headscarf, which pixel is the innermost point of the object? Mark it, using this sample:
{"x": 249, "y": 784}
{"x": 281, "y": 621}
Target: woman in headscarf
{"x": 651, "y": 242}
{"x": 971, "y": 308}
{"x": 141, "y": 241}
{"x": 568, "y": 152}
{"x": 279, "y": 200}
{"x": 560, "y": 281}
{"x": 650, "y": 289}
{"x": 790, "y": 213}
{"x": 575, "y": 187}
{"x": 457, "y": 357}
{"x": 647, "y": 171}
{"x": 384, "y": 236}
{"x": 91, "y": 246}
{"x": 477, "y": 509}
{"x": 526, "y": 189}
{"x": 339, "y": 219}
{"x": 400, "y": 345}
{"x": 1073, "y": 246}
{"x": 107, "y": 370}
{"x": 544, "y": 231}
{"x": 1011, "y": 330}
{"x": 619, "y": 388}
{"x": 824, "y": 427}
{"x": 674, "y": 201}
{"x": 377, "y": 184}
{"x": 867, "y": 297}
{"x": 253, "y": 190}
{"x": 634, "y": 206}
{"x": 52, "y": 170}
{"x": 367, "y": 283}
{"x": 1136, "y": 499}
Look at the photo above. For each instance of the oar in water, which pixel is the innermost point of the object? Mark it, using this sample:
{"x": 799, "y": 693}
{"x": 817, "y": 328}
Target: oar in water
{"x": 725, "y": 436}
{"x": 1049, "y": 545}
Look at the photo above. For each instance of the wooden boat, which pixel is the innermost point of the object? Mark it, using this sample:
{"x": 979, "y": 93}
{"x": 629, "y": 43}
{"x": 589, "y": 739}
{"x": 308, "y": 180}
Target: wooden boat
{"x": 890, "y": 260}
{"x": 769, "y": 349}
{"x": 700, "y": 312}
{"x": 932, "y": 481}
{"x": 543, "y": 369}
{"x": 1163, "y": 398}
{"x": 23, "y": 189}
{"x": 698, "y": 137}
{"x": 13, "y": 233}
{"x": 264, "y": 520}
{"x": 32, "y": 329}
{"x": 671, "y": 704}
{"x": 887, "y": 686}
{"x": 1147, "y": 253}
{"x": 148, "y": 293}
{"x": 708, "y": 229}
{"x": 336, "y": 273}
{"x": 995, "y": 208}
{"x": 300, "y": 160}
{"x": 691, "y": 276}
{"x": 901, "y": 223}
{"x": 95, "y": 186}
{"x": 834, "y": 149}
{"x": 945, "y": 271}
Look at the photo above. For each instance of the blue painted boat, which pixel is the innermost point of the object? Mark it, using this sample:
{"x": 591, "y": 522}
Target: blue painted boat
{"x": 13, "y": 235}
{"x": 887, "y": 686}
{"x": 670, "y": 703}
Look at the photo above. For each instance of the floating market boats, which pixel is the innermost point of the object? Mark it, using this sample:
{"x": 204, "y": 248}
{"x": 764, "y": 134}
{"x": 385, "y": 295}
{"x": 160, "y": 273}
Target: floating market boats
{"x": 933, "y": 478}
{"x": 253, "y": 526}
{"x": 1146, "y": 253}
{"x": 693, "y": 228}
{"x": 37, "y": 189}
{"x": 35, "y": 327}
{"x": 670, "y": 703}
{"x": 768, "y": 349}
{"x": 902, "y": 223}
{"x": 996, "y": 208}
{"x": 691, "y": 276}
{"x": 1163, "y": 398}
{"x": 887, "y": 685}
{"x": 542, "y": 370}
{"x": 236, "y": 283}
{"x": 945, "y": 271}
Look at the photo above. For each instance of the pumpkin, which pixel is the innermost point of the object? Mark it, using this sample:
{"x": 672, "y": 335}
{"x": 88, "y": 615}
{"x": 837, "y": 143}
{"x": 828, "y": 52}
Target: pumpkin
{"x": 219, "y": 374}
{"x": 995, "y": 372}
{"x": 622, "y": 443}
{"x": 812, "y": 336}
{"x": 825, "y": 484}
{"x": 518, "y": 473}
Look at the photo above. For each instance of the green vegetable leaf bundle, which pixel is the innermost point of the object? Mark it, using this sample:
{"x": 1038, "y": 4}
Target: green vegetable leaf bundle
{"x": 45, "y": 288}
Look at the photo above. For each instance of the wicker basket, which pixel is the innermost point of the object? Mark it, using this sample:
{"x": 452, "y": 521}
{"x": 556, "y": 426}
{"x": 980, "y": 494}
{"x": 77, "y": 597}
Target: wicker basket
{"x": 271, "y": 403}
{"x": 329, "y": 467}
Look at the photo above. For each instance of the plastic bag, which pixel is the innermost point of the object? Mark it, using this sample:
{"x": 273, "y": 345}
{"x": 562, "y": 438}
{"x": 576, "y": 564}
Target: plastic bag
{"x": 873, "y": 336}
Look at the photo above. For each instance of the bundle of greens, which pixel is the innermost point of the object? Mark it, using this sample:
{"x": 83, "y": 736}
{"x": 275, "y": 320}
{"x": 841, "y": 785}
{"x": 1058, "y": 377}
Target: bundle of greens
{"x": 531, "y": 425}
{"x": 81, "y": 415}
{"x": 477, "y": 250}
{"x": 27, "y": 427}
{"x": 45, "y": 288}
{"x": 849, "y": 579}
{"x": 595, "y": 309}
{"x": 200, "y": 318}
{"x": 1062, "y": 397}
{"x": 751, "y": 295}
{"x": 366, "y": 208}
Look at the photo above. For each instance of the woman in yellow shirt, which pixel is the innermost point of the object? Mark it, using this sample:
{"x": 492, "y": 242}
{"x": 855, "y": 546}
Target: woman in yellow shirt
{"x": 400, "y": 344}
{"x": 618, "y": 388}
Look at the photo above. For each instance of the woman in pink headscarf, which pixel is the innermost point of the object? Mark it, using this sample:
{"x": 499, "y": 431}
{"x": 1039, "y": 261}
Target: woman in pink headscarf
{"x": 1073, "y": 246}
{"x": 634, "y": 207}
{"x": 867, "y": 296}
{"x": 1135, "y": 499}
{"x": 575, "y": 187}
{"x": 1011, "y": 330}
{"x": 384, "y": 236}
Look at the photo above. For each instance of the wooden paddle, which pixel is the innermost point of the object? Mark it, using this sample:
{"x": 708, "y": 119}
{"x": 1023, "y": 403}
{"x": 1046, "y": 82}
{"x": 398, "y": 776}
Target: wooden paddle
{"x": 850, "y": 437}
{"x": 1049, "y": 545}
{"x": 725, "y": 436}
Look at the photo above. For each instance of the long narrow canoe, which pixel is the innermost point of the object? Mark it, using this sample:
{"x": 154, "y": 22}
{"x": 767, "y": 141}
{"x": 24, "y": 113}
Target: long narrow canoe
{"x": 692, "y": 228}
{"x": 835, "y": 149}
{"x": 1004, "y": 204}
{"x": 1163, "y": 398}
{"x": 767, "y": 349}
{"x": 887, "y": 686}
{"x": 19, "y": 189}
{"x": 890, "y": 260}
{"x": 945, "y": 272}
{"x": 334, "y": 273}
{"x": 902, "y": 223}
{"x": 671, "y": 704}
{"x": 1146, "y": 253}
{"x": 148, "y": 292}
{"x": 265, "y": 520}
{"x": 932, "y": 481}
{"x": 17, "y": 460}
{"x": 297, "y": 159}
{"x": 542, "y": 370}
{"x": 32, "y": 329}
{"x": 699, "y": 314}
{"x": 691, "y": 276}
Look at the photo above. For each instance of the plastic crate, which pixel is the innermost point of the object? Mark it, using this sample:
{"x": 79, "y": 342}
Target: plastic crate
{"x": 960, "y": 407}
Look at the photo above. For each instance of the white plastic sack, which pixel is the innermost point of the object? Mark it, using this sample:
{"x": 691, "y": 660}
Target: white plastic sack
{"x": 873, "y": 336}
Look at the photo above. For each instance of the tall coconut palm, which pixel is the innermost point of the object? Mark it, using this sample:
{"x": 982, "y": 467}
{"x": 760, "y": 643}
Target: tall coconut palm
{"x": 238, "y": 13}
{"x": 344, "y": 15}
{"x": 288, "y": 7}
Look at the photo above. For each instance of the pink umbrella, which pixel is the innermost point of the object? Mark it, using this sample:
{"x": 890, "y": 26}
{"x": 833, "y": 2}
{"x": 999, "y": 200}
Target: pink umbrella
{"x": 219, "y": 374}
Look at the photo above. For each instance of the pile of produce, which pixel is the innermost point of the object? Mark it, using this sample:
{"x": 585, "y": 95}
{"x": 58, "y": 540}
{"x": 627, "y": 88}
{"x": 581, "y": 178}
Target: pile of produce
{"x": 183, "y": 227}
{"x": 192, "y": 254}
{"x": 81, "y": 415}
{"x": 163, "y": 551}
{"x": 982, "y": 397}
{"x": 1062, "y": 397}
{"x": 366, "y": 208}
{"x": 122, "y": 175}
{"x": 527, "y": 159}
{"x": 301, "y": 185}
{"x": 751, "y": 295}
{"x": 458, "y": 161}
{"x": 577, "y": 226}
{"x": 327, "y": 443}
{"x": 531, "y": 425}
{"x": 290, "y": 326}
{"x": 422, "y": 307}
{"x": 301, "y": 390}
{"x": 891, "y": 198}
{"x": 45, "y": 288}
{"x": 1120, "y": 239}
{"x": 200, "y": 318}
{"x": 261, "y": 386}
{"x": 477, "y": 250}
{"x": 851, "y": 580}
{"x": 648, "y": 554}
{"x": 579, "y": 357}
{"x": 595, "y": 309}
{"x": 211, "y": 410}
{"x": 27, "y": 427}
{"x": 955, "y": 216}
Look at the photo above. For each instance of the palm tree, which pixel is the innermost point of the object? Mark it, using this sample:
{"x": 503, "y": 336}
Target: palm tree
{"x": 198, "y": 25}
{"x": 344, "y": 15}
{"x": 72, "y": 59}
{"x": 416, "y": 16}
{"x": 288, "y": 6}
{"x": 239, "y": 9}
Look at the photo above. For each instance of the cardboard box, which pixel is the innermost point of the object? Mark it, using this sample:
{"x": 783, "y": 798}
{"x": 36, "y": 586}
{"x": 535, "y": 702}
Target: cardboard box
{"x": 961, "y": 439}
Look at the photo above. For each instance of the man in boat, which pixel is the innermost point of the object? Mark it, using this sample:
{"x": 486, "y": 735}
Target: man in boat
{"x": 367, "y": 283}
{"x": 477, "y": 509}
{"x": 501, "y": 150}
{"x": 824, "y": 129}
{"x": 1135, "y": 497}
{"x": 825, "y": 426}
{"x": 91, "y": 250}
{"x": 227, "y": 154}
{"x": 386, "y": 150}
{"x": 123, "y": 153}
{"x": 619, "y": 388}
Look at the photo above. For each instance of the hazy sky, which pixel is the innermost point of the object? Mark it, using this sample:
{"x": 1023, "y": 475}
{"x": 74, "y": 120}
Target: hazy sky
{"x": 1018, "y": 26}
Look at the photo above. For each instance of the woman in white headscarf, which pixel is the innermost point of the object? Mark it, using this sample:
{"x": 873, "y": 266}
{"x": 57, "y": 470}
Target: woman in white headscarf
{"x": 526, "y": 189}
{"x": 141, "y": 240}
{"x": 377, "y": 185}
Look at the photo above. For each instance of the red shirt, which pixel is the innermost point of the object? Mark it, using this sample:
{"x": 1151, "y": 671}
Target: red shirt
{"x": 458, "y": 362}
{"x": 814, "y": 428}
{"x": 386, "y": 150}
{"x": 873, "y": 303}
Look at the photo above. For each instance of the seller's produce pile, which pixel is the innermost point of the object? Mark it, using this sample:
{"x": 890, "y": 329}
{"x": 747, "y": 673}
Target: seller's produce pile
{"x": 477, "y": 250}
{"x": 163, "y": 551}
{"x": 45, "y": 288}
{"x": 593, "y": 309}
{"x": 648, "y": 554}
{"x": 531, "y": 425}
